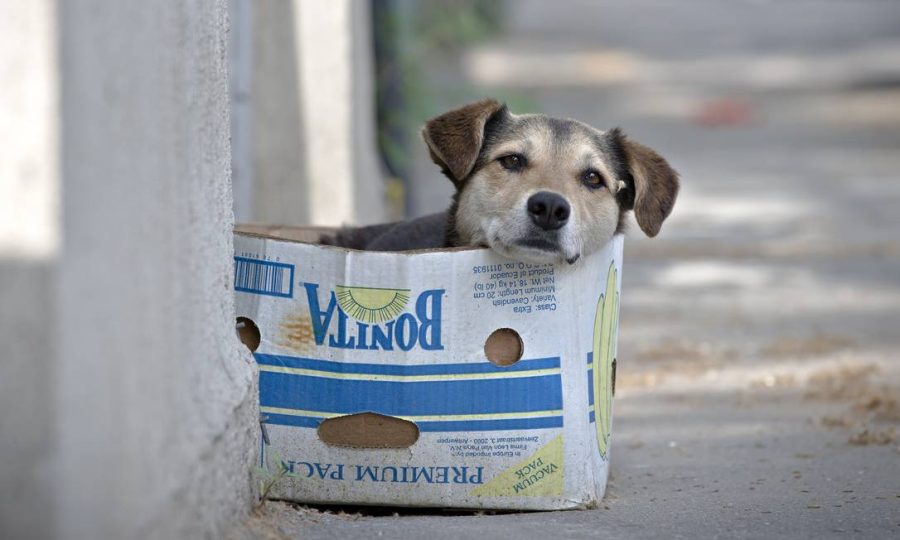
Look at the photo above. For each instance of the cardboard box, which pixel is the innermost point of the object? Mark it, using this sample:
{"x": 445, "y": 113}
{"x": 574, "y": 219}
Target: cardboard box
{"x": 375, "y": 382}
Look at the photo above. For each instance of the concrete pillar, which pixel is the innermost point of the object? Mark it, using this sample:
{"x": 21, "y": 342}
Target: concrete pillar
{"x": 240, "y": 54}
{"x": 325, "y": 84}
{"x": 127, "y": 405}
{"x": 369, "y": 200}
{"x": 278, "y": 180}
{"x": 312, "y": 109}
{"x": 157, "y": 409}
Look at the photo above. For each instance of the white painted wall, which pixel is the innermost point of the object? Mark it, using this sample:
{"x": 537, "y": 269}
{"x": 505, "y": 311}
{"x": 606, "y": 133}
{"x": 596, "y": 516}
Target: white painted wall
{"x": 29, "y": 244}
{"x": 127, "y": 405}
{"x": 29, "y": 194}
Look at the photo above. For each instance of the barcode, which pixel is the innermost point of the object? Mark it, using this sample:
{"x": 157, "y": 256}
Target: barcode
{"x": 263, "y": 277}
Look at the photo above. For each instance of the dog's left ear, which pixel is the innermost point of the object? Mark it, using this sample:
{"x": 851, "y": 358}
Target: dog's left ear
{"x": 454, "y": 138}
{"x": 655, "y": 185}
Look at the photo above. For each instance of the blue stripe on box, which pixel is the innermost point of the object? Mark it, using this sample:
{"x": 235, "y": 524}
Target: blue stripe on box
{"x": 493, "y": 425}
{"x": 425, "y": 398}
{"x": 291, "y": 420}
{"x": 454, "y": 425}
{"x": 402, "y": 370}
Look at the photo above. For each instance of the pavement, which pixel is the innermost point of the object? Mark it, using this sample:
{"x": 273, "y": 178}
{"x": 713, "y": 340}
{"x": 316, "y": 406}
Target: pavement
{"x": 759, "y": 379}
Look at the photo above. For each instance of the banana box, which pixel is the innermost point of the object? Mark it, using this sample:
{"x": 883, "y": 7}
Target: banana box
{"x": 439, "y": 378}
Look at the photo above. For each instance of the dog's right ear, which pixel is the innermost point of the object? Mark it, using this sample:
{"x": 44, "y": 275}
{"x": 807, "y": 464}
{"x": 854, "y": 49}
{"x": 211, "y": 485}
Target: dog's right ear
{"x": 454, "y": 138}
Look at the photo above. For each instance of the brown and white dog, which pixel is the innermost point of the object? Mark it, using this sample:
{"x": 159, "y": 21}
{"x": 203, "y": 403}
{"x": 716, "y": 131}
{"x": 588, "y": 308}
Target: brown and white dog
{"x": 530, "y": 187}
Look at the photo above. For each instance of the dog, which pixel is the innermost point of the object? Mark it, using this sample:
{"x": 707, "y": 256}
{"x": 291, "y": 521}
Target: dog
{"x": 530, "y": 187}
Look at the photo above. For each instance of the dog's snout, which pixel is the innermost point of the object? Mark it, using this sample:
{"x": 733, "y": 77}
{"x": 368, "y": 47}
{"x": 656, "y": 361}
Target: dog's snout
{"x": 548, "y": 211}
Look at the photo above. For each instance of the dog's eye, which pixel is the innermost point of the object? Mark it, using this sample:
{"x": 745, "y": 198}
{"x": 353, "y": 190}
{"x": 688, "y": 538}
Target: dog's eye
{"x": 592, "y": 179}
{"x": 513, "y": 162}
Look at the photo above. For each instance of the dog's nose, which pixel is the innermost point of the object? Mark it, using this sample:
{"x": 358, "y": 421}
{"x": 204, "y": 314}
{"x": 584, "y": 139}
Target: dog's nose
{"x": 548, "y": 211}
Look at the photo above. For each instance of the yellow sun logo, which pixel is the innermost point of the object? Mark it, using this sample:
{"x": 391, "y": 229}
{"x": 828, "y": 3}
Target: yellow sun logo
{"x": 371, "y": 304}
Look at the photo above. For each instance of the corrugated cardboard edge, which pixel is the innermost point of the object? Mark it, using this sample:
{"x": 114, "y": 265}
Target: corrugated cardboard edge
{"x": 310, "y": 235}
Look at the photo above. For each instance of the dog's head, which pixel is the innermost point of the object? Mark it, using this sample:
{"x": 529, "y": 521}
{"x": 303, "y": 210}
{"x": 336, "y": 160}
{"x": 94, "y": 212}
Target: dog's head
{"x": 543, "y": 189}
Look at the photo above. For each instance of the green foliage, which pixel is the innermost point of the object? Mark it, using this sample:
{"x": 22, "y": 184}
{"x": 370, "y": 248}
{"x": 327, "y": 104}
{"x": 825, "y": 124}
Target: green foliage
{"x": 452, "y": 24}
{"x": 267, "y": 479}
{"x": 419, "y": 44}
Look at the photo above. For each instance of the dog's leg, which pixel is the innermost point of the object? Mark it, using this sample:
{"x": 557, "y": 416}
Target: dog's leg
{"x": 356, "y": 237}
{"x": 426, "y": 232}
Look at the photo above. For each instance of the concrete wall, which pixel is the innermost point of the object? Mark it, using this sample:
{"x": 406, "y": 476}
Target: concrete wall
{"x": 128, "y": 405}
{"x": 310, "y": 126}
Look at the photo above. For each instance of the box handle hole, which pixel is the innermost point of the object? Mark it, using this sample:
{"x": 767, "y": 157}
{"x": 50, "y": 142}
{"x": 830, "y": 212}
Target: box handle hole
{"x": 248, "y": 332}
{"x": 504, "y": 347}
{"x": 368, "y": 430}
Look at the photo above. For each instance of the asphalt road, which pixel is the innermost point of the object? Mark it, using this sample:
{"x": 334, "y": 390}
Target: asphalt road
{"x": 758, "y": 377}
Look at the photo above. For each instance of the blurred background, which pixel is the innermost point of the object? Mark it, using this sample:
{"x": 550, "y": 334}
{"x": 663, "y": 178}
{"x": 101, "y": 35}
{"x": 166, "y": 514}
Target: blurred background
{"x": 758, "y": 366}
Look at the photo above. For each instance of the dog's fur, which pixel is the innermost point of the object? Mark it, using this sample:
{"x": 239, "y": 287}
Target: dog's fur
{"x": 492, "y": 205}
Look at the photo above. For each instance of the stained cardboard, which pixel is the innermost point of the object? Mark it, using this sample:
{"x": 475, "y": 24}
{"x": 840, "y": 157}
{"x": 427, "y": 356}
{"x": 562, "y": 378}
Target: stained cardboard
{"x": 349, "y": 341}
